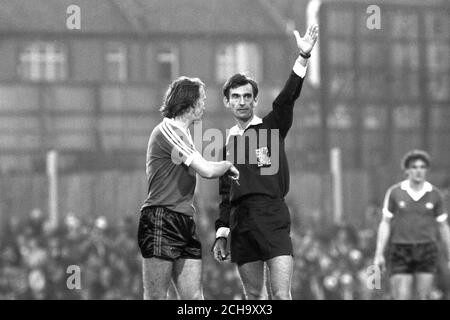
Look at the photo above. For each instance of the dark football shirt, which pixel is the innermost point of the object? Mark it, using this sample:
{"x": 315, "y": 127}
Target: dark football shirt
{"x": 171, "y": 183}
{"x": 258, "y": 152}
{"x": 414, "y": 214}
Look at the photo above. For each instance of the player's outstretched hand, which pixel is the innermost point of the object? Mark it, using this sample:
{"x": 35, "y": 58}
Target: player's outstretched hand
{"x": 306, "y": 43}
{"x": 220, "y": 250}
{"x": 233, "y": 172}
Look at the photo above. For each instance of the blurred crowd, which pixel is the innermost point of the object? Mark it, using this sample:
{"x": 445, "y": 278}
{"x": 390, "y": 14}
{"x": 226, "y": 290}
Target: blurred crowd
{"x": 334, "y": 263}
{"x": 35, "y": 260}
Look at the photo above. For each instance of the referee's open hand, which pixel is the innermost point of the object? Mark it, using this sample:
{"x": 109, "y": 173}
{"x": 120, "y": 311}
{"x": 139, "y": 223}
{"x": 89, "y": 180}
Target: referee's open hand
{"x": 306, "y": 43}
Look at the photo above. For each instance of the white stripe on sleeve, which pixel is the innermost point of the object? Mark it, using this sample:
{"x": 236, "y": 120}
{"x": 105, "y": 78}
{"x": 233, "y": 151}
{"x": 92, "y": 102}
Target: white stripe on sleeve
{"x": 175, "y": 141}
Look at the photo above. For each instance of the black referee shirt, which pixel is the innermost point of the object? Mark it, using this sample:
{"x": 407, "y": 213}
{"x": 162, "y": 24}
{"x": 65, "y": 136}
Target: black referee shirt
{"x": 259, "y": 154}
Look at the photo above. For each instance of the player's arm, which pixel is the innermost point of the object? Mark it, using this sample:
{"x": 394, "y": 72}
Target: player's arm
{"x": 384, "y": 230}
{"x": 282, "y": 108}
{"x": 442, "y": 219}
{"x": 182, "y": 152}
{"x": 444, "y": 230}
{"x": 210, "y": 169}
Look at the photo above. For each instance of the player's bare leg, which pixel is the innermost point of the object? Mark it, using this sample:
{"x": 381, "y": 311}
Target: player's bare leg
{"x": 401, "y": 286}
{"x": 156, "y": 277}
{"x": 187, "y": 278}
{"x": 280, "y": 275}
{"x": 252, "y": 277}
{"x": 424, "y": 285}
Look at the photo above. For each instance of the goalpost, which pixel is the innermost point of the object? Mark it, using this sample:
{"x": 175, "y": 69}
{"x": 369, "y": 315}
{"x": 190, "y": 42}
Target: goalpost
{"x": 336, "y": 180}
{"x": 52, "y": 177}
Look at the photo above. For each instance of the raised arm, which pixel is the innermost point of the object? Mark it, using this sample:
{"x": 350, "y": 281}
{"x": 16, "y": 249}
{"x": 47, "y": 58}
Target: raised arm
{"x": 282, "y": 109}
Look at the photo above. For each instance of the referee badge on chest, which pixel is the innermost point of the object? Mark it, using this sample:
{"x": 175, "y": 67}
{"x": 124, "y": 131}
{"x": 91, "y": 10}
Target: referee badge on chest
{"x": 262, "y": 157}
{"x": 402, "y": 204}
{"x": 429, "y": 205}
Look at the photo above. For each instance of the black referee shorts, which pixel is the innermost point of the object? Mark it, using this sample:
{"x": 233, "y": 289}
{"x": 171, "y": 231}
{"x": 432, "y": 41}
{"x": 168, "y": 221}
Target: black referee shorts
{"x": 260, "y": 231}
{"x": 413, "y": 258}
{"x": 167, "y": 235}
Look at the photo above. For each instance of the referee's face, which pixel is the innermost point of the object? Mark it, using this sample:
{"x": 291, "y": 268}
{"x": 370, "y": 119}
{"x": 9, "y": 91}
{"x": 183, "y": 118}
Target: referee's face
{"x": 242, "y": 102}
{"x": 417, "y": 171}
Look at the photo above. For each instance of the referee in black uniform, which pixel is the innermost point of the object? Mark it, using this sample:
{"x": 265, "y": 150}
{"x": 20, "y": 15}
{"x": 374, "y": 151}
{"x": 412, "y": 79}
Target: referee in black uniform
{"x": 254, "y": 208}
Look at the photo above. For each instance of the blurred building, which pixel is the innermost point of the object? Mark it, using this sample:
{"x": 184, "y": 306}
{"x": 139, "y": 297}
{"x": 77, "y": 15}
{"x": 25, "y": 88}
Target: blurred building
{"x": 94, "y": 93}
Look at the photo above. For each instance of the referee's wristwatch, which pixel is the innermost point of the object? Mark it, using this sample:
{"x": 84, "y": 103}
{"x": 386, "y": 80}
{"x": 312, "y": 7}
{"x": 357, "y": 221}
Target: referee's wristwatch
{"x": 305, "y": 55}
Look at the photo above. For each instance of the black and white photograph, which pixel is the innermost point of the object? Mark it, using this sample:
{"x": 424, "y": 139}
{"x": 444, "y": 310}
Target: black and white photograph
{"x": 224, "y": 150}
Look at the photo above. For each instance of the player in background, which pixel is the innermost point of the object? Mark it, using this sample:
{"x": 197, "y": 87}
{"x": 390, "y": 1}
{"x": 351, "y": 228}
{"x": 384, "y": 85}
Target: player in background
{"x": 413, "y": 214}
{"x": 255, "y": 210}
{"x": 443, "y": 270}
{"x": 167, "y": 237}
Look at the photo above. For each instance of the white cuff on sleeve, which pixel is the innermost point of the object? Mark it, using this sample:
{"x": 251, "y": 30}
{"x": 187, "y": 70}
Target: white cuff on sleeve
{"x": 299, "y": 69}
{"x": 191, "y": 158}
{"x": 387, "y": 213}
{"x": 222, "y": 232}
{"x": 442, "y": 217}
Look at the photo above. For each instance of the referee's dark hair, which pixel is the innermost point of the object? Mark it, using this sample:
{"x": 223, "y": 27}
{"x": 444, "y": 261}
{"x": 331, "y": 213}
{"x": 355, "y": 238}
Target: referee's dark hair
{"x": 414, "y": 155}
{"x": 239, "y": 80}
{"x": 182, "y": 94}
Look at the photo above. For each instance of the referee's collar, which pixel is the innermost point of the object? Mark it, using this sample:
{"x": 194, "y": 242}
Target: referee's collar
{"x": 416, "y": 195}
{"x": 237, "y": 131}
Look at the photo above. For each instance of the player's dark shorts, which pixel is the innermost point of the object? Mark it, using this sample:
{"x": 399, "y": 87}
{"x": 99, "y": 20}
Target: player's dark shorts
{"x": 167, "y": 235}
{"x": 413, "y": 258}
{"x": 260, "y": 231}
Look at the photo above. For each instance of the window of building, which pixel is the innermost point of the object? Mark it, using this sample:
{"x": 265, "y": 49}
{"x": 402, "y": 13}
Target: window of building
{"x": 116, "y": 62}
{"x": 407, "y": 116}
{"x": 345, "y": 56}
{"x": 43, "y": 61}
{"x": 404, "y": 24}
{"x": 405, "y": 56}
{"x": 167, "y": 63}
{"x": 341, "y": 116}
{"x": 340, "y": 22}
{"x": 241, "y": 57}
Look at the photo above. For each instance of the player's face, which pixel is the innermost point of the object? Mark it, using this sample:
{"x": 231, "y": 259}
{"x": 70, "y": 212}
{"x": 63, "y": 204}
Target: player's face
{"x": 242, "y": 102}
{"x": 417, "y": 171}
{"x": 199, "y": 107}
